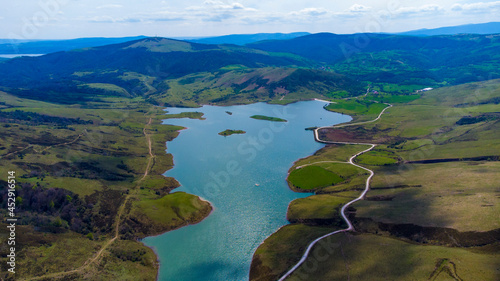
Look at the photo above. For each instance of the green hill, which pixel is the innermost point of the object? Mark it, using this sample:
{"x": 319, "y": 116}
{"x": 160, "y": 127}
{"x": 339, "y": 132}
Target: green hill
{"x": 232, "y": 85}
{"x": 175, "y": 72}
{"x": 167, "y": 71}
{"x": 399, "y": 59}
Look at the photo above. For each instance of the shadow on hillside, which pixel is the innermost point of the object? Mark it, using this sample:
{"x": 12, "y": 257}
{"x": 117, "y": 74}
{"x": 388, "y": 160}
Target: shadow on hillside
{"x": 400, "y": 251}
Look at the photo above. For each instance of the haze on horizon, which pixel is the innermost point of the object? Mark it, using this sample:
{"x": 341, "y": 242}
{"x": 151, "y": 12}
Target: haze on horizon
{"x": 63, "y": 19}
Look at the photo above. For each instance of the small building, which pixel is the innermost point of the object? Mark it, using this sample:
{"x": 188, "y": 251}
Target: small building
{"x": 424, "y": 90}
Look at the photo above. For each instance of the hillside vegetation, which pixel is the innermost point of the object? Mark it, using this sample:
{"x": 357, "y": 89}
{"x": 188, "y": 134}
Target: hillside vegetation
{"x": 83, "y": 131}
{"x": 170, "y": 72}
{"x": 427, "y": 61}
{"x": 433, "y": 202}
{"x": 85, "y": 176}
{"x": 173, "y": 72}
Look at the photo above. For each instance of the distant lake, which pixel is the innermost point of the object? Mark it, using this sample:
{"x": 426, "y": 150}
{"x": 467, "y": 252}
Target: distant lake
{"x": 243, "y": 177}
{"x": 11, "y": 56}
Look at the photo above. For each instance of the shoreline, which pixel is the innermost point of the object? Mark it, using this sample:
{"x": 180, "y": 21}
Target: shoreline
{"x": 322, "y": 100}
{"x": 140, "y": 240}
{"x": 154, "y": 249}
{"x": 212, "y": 207}
{"x": 290, "y": 170}
{"x": 350, "y": 227}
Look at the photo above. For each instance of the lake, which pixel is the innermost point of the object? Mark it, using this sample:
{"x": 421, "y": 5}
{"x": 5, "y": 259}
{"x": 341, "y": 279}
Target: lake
{"x": 11, "y": 56}
{"x": 243, "y": 177}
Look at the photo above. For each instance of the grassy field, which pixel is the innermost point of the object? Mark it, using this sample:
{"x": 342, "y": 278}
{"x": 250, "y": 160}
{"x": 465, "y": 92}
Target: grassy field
{"x": 371, "y": 257}
{"x": 327, "y": 171}
{"x": 171, "y": 211}
{"x": 279, "y": 250}
{"x": 128, "y": 260}
{"x": 317, "y": 208}
{"x": 396, "y": 88}
{"x": 459, "y": 195}
{"x": 109, "y": 88}
{"x": 449, "y": 195}
{"x": 332, "y": 152}
{"x": 96, "y": 153}
{"x": 39, "y": 253}
{"x": 378, "y": 158}
{"x": 359, "y": 109}
{"x": 390, "y": 98}
{"x": 191, "y": 115}
{"x": 313, "y": 177}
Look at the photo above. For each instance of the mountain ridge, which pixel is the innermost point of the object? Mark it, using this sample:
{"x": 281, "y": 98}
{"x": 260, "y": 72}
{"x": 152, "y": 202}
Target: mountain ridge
{"x": 242, "y": 39}
{"x": 433, "y": 60}
{"x": 479, "y": 28}
{"x": 162, "y": 69}
{"x": 13, "y": 47}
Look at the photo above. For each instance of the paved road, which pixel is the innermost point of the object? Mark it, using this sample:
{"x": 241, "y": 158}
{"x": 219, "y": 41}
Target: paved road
{"x": 350, "y": 227}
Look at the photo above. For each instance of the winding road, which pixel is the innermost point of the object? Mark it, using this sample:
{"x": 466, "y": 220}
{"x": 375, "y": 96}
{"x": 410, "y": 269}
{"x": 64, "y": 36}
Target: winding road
{"x": 350, "y": 227}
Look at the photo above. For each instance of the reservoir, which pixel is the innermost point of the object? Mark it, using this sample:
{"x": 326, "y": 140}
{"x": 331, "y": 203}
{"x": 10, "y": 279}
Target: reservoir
{"x": 11, "y": 56}
{"x": 244, "y": 178}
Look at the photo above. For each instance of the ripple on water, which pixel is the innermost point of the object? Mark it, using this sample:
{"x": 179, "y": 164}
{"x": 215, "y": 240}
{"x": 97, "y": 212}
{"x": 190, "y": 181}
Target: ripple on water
{"x": 243, "y": 177}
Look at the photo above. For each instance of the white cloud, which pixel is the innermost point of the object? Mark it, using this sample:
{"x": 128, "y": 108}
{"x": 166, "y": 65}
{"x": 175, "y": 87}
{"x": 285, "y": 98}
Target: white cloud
{"x": 258, "y": 19}
{"x": 238, "y": 16}
{"x": 110, "y": 6}
{"x": 312, "y": 12}
{"x": 219, "y": 17}
{"x": 212, "y": 2}
{"x": 218, "y": 5}
{"x": 137, "y": 18}
{"x": 217, "y": 11}
{"x": 478, "y": 7}
{"x": 103, "y": 19}
{"x": 419, "y": 11}
{"x": 357, "y": 8}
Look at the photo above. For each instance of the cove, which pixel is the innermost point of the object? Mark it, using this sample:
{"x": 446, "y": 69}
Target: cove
{"x": 244, "y": 178}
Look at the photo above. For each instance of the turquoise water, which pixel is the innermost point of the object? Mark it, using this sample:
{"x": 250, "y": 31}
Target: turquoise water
{"x": 226, "y": 172}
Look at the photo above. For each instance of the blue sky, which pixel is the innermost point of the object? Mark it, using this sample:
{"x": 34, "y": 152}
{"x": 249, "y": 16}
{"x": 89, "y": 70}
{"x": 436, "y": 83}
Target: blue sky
{"x": 54, "y": 19}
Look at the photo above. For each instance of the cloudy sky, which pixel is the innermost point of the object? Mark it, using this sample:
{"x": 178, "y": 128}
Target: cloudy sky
{"x": 54, "y": 19}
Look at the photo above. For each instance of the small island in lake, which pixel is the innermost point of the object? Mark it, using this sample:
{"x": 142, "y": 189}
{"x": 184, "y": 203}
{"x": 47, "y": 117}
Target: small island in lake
{"x": 229, "y": 132}
{"x": 190, "y": 115}
{"x": 267, "y": 118}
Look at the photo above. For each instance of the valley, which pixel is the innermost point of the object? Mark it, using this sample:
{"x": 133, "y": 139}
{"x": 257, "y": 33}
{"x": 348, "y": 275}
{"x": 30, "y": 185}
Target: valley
{"x": 101, "y": 166}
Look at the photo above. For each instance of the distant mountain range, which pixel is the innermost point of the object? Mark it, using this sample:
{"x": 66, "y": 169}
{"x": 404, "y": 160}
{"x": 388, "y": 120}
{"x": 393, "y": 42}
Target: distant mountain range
{"x": 163, "y": 69}
{"x": 481, "y": 28}
{"x": 8, "y": 46}
{"x": 453, "y": 59}
{"x": 163, "y": 57}
{"x": 51, "y": 46}
{"x": 242, "y": 39}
